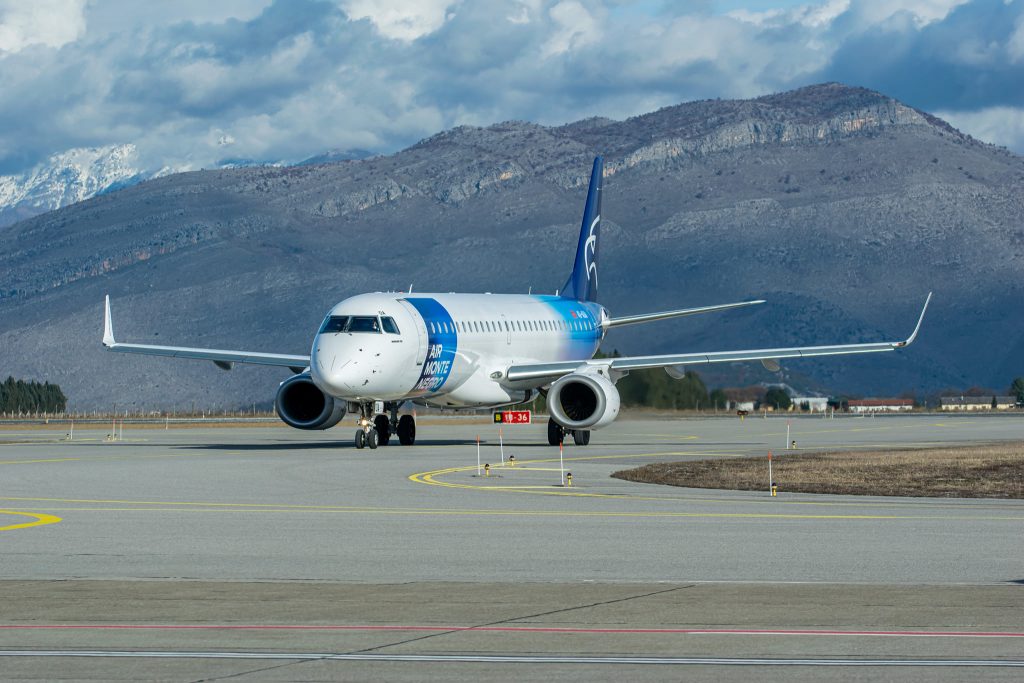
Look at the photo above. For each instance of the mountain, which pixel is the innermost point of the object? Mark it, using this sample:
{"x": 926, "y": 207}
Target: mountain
{"x": 82, "y": 173}
{"x": 841, "y": 206}
{"x": 67, "y": 178}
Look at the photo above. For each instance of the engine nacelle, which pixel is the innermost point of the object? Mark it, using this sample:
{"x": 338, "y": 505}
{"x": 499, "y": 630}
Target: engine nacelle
{"x": 302, "y": 405}
{"x": 585, "y": 399}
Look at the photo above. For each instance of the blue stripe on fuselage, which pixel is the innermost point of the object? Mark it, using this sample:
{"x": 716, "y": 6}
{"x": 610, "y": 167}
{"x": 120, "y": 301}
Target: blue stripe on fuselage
{"x": 442, "y": 343}
{"x": 583, "y": 342}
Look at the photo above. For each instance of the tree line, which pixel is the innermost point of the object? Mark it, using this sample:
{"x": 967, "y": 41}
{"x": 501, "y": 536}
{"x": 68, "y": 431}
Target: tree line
{"x": 19, "y": 396}
{"x": 656, "y": 389}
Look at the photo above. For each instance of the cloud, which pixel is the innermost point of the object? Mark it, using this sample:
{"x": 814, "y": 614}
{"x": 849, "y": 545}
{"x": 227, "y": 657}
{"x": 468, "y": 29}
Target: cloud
{"x": 999, "y": 125}
{"x": 52, "y": 23}
{"x": 400, "y": 19}
{"x": 287, "y": 79}
{"x": 575, "y": 28}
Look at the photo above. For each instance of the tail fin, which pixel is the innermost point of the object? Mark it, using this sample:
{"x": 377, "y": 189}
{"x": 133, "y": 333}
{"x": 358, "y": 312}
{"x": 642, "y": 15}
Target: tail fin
{"x": 582, "y": 284}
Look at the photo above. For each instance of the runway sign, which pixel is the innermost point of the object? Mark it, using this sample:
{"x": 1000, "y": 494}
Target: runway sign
{"x": 512, "y": 417}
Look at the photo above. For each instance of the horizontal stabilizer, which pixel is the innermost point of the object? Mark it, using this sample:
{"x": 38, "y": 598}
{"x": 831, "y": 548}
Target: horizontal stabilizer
{"x": 665, "y": 315}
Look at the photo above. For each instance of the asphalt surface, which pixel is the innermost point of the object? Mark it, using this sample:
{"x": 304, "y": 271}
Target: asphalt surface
{"x": 278, "y": 554}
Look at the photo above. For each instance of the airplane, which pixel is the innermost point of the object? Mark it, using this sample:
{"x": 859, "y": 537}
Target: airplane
{"x": 375, "y": 353}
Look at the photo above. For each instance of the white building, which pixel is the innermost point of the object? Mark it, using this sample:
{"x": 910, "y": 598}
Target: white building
{"x": 815, "y": 404}
{"x": 880, "y": 405}
{"x": 977, "y": 402}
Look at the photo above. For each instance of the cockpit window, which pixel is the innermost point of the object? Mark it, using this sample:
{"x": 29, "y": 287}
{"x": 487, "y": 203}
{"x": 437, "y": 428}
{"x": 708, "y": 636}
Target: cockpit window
{"x": 334, "y": 323}
{"x": 351, "y": 323}
{"x": 389, "y": 325}
{"x": 364, "y": 323}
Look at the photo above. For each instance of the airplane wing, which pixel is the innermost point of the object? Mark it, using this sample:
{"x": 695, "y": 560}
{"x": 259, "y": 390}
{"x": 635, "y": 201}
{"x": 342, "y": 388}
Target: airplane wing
{"x": 222, "y": 358}
{"x": 663, "y": 315}
{"x": 552, "y": 371}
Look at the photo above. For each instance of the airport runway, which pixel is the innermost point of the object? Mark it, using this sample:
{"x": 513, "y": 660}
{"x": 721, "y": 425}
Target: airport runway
{"x": 292, "y": 555}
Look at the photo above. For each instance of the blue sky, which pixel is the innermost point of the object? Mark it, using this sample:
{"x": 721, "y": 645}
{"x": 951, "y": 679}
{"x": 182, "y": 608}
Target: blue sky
{"x": 193, "y": 82}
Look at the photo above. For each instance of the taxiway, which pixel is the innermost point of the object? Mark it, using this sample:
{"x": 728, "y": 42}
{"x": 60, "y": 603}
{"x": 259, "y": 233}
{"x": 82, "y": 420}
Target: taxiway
{"x": 266, "y": 549}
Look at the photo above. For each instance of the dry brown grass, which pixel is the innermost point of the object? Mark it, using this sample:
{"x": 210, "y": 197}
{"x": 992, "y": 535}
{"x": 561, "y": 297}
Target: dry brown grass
{"x": 984, "y": 471}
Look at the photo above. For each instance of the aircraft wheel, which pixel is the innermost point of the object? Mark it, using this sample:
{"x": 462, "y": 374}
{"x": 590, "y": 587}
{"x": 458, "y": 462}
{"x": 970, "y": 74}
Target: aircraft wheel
{"x": 581, "y": 437}
{"x": 556, "y": 433}
{"x": 371, "y": 438}
{"x": 406, "y": 430}
{"x": 360, "y": 439}
{"x": 383, "y": 425}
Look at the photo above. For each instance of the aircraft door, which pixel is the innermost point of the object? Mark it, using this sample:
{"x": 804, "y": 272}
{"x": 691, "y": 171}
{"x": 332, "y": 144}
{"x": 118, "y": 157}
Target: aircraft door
{"x": 421, "y": 332}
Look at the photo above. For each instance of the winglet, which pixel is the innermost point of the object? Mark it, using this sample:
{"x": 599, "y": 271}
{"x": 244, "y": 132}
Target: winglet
{"x": 913, "y": 336}
{"x": 108, "y": 331}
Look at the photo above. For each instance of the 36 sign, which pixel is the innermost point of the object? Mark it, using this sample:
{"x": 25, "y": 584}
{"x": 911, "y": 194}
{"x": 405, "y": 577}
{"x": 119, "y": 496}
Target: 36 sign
{"x": 514, "y": 417}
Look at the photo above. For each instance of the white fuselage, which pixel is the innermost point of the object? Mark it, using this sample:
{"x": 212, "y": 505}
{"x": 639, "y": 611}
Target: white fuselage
{"x": 448, "y": 350}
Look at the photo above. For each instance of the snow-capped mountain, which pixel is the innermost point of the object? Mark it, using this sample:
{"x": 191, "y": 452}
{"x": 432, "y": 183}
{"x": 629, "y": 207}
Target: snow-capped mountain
{"x": 84, "y": 172}
{"x": 68, "y": 177}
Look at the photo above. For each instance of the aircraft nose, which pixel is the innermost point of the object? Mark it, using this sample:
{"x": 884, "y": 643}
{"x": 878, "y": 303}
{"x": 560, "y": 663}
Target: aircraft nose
{"x": 324, "y": 364}
{"x": 341, "y": 367}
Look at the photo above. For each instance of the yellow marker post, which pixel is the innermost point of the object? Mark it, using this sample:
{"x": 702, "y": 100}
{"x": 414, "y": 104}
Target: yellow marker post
{"x": 568, "y": 478}
{"x": 487, "y": 469}
{"x": 511, "y": 461}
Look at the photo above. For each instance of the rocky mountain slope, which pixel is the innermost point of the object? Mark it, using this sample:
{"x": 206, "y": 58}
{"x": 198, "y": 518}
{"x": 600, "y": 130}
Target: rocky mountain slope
{"x": 839, "y": 205}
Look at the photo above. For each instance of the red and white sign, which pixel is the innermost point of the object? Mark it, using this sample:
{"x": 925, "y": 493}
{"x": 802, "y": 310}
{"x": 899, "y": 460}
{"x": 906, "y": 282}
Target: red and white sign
{"x": 513, "y": 417}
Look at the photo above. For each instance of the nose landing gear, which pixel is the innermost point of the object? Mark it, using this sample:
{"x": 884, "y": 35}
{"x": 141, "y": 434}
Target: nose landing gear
{"x": 377, "y": 430}
{"x": 366, "y": 435}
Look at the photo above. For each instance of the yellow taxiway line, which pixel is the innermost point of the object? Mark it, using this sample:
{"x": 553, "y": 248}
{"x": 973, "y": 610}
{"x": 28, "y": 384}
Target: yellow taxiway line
{"x": 38, "y": 520}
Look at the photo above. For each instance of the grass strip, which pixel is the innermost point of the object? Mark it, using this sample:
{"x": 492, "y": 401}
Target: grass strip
{"x": 981, "y": 471}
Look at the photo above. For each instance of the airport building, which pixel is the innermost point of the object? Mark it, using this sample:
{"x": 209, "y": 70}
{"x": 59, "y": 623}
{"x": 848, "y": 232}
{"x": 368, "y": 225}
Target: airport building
{"x": 978, "y": 402}
{"x": 815, "y": 404}
{"x": 880, "y": 405}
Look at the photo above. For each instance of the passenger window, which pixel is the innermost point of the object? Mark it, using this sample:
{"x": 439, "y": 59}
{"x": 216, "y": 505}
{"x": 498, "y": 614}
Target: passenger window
{"x": 389, "y": 325}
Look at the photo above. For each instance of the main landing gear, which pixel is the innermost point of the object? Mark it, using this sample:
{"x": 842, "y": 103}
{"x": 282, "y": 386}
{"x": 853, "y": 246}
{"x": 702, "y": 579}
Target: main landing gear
{"x": 377, "y": 431}
{"x": 557, "y": 434}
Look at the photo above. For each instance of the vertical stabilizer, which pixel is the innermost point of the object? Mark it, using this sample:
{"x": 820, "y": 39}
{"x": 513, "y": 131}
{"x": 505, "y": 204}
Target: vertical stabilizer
{"x": 582, "y": 284}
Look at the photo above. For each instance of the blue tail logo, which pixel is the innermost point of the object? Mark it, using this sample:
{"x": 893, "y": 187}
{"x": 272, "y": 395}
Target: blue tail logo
{"x": 582, "y": 284}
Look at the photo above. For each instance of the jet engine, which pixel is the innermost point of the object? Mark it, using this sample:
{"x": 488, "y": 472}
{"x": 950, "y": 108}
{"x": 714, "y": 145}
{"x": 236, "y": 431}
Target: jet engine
{"x": 302, "y": 405}
{"x": 585, "y": 399}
